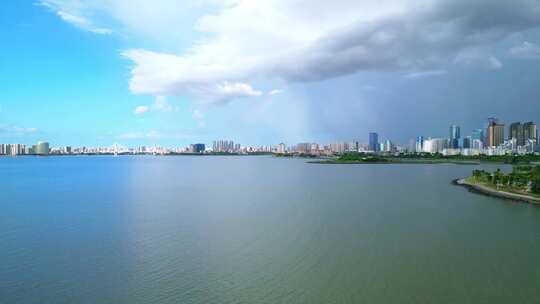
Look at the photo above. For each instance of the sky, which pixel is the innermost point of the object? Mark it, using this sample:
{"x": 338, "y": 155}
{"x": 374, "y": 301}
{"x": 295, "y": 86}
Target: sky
{"x": 261, "y": 72}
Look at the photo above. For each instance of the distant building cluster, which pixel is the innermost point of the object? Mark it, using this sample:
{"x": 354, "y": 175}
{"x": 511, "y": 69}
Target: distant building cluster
{"x": 374, "y": 146}
{"x": 522, "y": 138}
{"x": 229, "y": 146}
{"x": 41, "y": 148}
{"x": 219, "y": 146}
{"x": 493, "y": 139}
{"x": 225, "y": 146}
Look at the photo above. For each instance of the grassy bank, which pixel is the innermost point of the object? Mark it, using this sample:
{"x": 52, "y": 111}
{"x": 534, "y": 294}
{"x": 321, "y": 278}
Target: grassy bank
{"x": 523, "y": 183}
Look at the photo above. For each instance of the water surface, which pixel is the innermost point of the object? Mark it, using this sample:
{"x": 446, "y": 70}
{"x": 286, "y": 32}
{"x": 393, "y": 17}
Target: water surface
{"x": 257, "y": 230}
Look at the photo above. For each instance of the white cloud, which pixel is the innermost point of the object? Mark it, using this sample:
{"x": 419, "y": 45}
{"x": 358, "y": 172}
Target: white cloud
{"x": 141, "y": 110}
{"x": 73, "y": 12}
{"x": 276, "y": 92}
{"x": 161, "y": 104}
{"x": 310, "y": 40}
{"x": 422, "y": 74}
{"x": 151, "y": 20}
{"x": 83, "y": 23}
{"x": 527, "y": 50}
{"x": 165, "y": 74}
{"x": 15, "y": 130}
{"x": 228, "y": 90}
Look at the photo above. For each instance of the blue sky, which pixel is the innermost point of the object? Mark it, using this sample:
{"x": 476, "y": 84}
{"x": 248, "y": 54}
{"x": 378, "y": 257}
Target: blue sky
{"x": 262, "y": 72}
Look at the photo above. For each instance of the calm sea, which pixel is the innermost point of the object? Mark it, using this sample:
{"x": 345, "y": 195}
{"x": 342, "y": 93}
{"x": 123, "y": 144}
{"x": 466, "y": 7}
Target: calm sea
{"x": 257, "y": 230}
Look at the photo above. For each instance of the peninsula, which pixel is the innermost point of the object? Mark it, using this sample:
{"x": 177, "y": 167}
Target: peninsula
{"x": 426, "y": 158}
{"x": 522, "y": 184}
{"x": 366, "y": 158}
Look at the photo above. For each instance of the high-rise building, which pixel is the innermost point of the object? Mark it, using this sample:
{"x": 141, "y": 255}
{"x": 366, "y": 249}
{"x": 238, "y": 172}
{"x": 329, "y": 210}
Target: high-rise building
{"x": 495, "y": 133}
{"x": 454, "y": 136}
{"x": 477, "y": 144}
{"x": 530, "y": 132}
{"x": 339, "y": 147}
{"x": 435, "y": 145}
{"x": 373, "y": 142}
{"x": 467, "y": 142}
{"x": 387, "y": 146}
{"x": 477, "y": 135}
{"x": 223, "y": 146}
{"x": 303, "y": 148}
{"x": 419, "y": 146}
{"x": 42, "y": 148}
{"x": 197, "y": 148}
{"x": 516, "y": 132}
{"x": 13, "y": 149}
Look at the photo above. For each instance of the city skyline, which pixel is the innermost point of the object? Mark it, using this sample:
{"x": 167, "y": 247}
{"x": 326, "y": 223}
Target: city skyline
{"x": 85, "y": 73}
{"x": 521, "y": 138}
{"x": 528, "y": 129}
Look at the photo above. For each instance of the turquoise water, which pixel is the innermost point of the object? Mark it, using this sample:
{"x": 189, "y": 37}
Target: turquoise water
{"x": 257, "y": 230}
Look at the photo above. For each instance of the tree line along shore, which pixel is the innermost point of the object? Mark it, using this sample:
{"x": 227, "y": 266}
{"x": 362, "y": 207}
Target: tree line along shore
{"x": 522, "y": 184}
{"x": 424, "y": 158}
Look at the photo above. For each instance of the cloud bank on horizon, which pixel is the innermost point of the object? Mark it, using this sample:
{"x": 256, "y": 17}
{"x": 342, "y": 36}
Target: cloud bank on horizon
{"x": 241, "y": 44}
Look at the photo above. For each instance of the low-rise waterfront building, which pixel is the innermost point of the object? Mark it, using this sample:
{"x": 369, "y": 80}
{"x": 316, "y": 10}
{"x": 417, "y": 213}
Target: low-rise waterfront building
{"x": 435, "y": 145}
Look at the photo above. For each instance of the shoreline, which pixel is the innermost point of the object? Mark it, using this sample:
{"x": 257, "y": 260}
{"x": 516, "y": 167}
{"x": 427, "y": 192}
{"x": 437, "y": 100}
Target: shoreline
{"x": 394, "y": 162}
{"x": 128, "y": 155}
{"x": 488, "y": 191}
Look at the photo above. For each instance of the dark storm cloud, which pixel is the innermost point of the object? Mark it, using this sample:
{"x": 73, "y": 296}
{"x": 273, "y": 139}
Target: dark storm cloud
{"x": 424, "y": 39}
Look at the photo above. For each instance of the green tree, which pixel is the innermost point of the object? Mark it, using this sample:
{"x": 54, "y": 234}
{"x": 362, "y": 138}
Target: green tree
{"x": 535, "y": 185}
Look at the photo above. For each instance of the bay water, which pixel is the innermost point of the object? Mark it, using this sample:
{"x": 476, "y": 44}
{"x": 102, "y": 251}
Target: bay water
{"x": 258, "y": 229}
